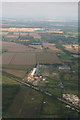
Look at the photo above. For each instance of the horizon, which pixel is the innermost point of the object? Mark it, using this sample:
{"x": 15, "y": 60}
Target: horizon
{"x": 50, "y": 11}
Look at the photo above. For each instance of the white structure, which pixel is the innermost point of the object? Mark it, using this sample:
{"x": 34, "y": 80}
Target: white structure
{"x": 74, "y": 99}
{"x": 33, "y": 72}
{"x": 64, "y": 68}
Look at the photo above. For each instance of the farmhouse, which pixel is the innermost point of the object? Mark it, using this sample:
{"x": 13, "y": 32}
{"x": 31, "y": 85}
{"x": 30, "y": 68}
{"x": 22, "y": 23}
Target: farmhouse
{"x": 64, "y": 68}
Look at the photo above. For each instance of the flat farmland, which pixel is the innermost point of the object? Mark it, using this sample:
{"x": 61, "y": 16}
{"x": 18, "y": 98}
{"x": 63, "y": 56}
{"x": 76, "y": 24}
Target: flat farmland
{"x": 24, "y": 33}
{"x": 35, "y": 35}
{"x": 51, "y": 46}
{"x": 7, "y": 57}
{"x": 54, "y": 49}
{"x": 27, "y": 104}
{"x": 18, "y": 59}
{"x": 77, "y": 56}
{"x": 18, "y": 73}
{"x": 14, "y": 47}
{"x": 47, "y": 58}
{"x": 23, "y": 40}
{"x": 4, "y": 33}
{"x": 36, "y": 46}
{"x": 48, "y": 44}
{"x": 19, "y": 101}
{"x": 20, "y": 29}
{"x": 1, "y": 60}
{"x": 24, "y": 59}
{"x": 72, "y": 48}
{"x": 11, "y": 36}
{"x": 31, "y": 59}
{"x": 20, "y": 56}
{"x": 18, "y": 67}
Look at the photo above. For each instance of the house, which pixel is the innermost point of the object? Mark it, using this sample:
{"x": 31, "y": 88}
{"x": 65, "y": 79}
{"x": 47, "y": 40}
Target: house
{"x": 64, "y": 68}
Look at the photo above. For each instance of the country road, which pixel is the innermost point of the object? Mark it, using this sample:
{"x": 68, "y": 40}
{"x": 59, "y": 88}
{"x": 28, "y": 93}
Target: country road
{"x": 41, "y": 91}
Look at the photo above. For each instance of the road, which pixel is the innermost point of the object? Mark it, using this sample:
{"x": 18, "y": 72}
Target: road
{"x": 41, "y": 91}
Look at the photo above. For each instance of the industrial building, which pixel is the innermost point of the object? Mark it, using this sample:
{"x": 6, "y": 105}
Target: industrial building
{"x": 34, "y": 76}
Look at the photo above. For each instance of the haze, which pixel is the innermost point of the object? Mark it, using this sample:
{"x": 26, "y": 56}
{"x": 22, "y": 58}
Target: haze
{"x": 66, "y": 10}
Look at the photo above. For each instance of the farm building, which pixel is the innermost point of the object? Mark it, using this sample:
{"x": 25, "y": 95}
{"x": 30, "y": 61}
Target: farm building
{"x": 33, "y": 72}
{"x": 64, "y": 68}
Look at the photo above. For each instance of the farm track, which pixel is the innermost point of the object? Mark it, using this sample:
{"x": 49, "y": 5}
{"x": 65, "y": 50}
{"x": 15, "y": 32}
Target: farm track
{"x": 12, "y": 58}
{"x": 33, "y": 55}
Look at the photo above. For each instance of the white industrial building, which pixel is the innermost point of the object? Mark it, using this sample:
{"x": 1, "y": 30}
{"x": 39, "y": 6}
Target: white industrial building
{"x": 33, "y": 72}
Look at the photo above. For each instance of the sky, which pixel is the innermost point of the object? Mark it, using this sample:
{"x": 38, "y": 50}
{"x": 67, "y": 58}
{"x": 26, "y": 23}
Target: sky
{"x": 50, "y": 10}
{"x": 40, "y": 0}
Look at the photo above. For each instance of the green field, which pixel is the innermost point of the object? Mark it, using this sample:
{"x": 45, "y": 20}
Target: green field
{"x": 52, "y": 108}
{"x": 22, "y": 102}
{"x": 21, "y": 57}
{"x": 19, "y": 101}
{"x": 9, "y": 90}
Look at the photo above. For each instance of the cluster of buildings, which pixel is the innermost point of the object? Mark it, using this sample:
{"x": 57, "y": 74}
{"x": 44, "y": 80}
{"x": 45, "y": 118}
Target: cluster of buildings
{"x": 34, "y": 76}
{"x": 74, "y": 99}
{"x": 64, "y": 68}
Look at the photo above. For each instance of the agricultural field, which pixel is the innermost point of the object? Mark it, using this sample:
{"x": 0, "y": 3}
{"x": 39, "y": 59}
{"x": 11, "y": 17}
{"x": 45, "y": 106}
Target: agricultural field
{"x": 24, "y": 40}
{"x": 21, "y": 55}
{"x": 52, "y": 47}
{"x": 25, "y": 48}
{"x": 9, "y": 90}
{"x": 65, "y": 57}
{"x": 70, "y": 80}
{"x": 39, "y": 61}
{"x": 25, "y": 99}
{"x": 20, "y": 29}
{"x": 72, "y": 48}
{"x": 24, "y": 59}
{"x": 36, "y": 46}
{"x": 35, "y": 35}
{"x": 7, "y": 57}
{"x": 24, "y": 33}
{"x": 47, "y": 58}
{"x": 4, "y": 33}
{"x": 11, "y": 36}
{"x": 17, "y": 73}
{"x": 54, "y": 109}
{"x": 14, "y": 47}
{"x": 54, "y": 77}
{"x": 76, "y": 56}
